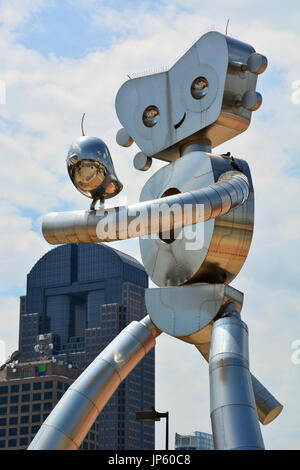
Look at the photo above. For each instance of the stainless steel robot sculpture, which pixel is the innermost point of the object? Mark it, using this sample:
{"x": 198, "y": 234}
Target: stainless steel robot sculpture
{"x": 177, "y": 116}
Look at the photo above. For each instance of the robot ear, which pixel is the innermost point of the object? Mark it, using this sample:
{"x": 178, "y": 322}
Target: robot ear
{"x": 123, "y": 138}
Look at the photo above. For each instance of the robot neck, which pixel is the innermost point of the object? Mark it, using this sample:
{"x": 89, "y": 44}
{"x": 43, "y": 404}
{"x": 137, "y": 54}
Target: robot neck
{"x": 199, "y": 144}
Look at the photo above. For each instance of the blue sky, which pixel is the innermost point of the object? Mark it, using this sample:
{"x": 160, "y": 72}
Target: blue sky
{"x": 75, "y": 35}
{"x": 61, "y": 58}
{"x": 76, "y": 32}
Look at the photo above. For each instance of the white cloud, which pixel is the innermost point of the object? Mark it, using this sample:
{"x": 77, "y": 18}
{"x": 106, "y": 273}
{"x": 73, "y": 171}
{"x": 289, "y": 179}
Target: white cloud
{"x": 9, "y": 317}
{"x": 46, "y": 96}
{"x": 22, "y": 247}
{"x": 16, "y": 12}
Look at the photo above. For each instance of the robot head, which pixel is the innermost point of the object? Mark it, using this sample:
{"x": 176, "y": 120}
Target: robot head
{"x": 209, "y": 93}
{"x": 91, "y": 169}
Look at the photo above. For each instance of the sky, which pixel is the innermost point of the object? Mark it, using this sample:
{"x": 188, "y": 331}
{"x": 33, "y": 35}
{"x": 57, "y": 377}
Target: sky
{"x": 60, "y": 58}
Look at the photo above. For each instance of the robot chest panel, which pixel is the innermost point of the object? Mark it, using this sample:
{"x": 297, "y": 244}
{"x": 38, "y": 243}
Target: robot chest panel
{"x": 213, "y": 251}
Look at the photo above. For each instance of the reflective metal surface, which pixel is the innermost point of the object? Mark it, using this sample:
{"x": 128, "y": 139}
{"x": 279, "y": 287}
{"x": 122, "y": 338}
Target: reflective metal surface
{"x": 211, "y": 252}
{"x": 234, "y": 418}
{"x": 123, "y": 138}
{"x": 151, "y": 116}
{"x": 142, "y": 162}
{"x": 91, "y": 169}
{"x": 199, "y": 88}
{"x": 149, "y": 217}
{"x": 70, "y": 421}
{"x": 205, "y": 99}
{"x": 197, "y": 96}
{"x": 257, "y": 63}
{"x": 267, "y": 406}
{"x": 187, "y": 312}
{"x": 251, "y": 100}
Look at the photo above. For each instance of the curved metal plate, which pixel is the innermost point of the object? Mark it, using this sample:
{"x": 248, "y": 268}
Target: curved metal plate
{"x": 185, "y": 311}
{"x": 220, "y": 246}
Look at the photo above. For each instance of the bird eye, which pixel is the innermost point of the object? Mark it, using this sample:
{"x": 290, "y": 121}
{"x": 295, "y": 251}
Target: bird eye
{"x": 151, "y": 116}
{"x": 199, "y": 88}
{"x": 74, "y": 159}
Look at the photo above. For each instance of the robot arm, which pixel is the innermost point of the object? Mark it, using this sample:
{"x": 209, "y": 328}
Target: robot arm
{"x": 229, "y": 192}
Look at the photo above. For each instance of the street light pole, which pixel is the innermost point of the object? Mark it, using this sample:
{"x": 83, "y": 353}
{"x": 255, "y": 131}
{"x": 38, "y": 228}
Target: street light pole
{"x": 154, "y": 415}
{"x": 167, "y": 430}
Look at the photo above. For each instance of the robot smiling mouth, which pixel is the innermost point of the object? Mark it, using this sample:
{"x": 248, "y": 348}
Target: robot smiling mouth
{"x": 180, "y": 122}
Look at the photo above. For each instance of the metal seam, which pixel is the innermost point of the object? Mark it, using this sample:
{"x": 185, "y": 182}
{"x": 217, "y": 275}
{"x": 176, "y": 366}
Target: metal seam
{"x": 99, "y": 358}
{"x": 45, "y": 425}
{"x": 142, "y": 344}
{"x": 213, "y": 366}
{"x": 232, "y": 404}
{"x": 207, "y": 204}
{"x": 85, "y": 396}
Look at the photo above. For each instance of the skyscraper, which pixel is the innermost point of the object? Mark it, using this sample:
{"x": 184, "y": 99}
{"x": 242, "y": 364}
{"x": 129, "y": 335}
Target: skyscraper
{"x": 83, "y": 296}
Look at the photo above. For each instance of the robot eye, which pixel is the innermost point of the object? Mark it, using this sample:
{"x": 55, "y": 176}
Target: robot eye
{"x": 199, "y": 88}
{"x": 151, "y": 116}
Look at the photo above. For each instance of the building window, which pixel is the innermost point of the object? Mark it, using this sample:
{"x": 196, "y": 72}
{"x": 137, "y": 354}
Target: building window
{"x": 25, "y": 387}
{"x": 34, "y": 429}
{"x": 12, "y": 443}
{"x": 3, "y": 390}
{"x": 24, "y": 441}
{"x": 48, "y": 396}
{"x": 66, "y": 386}
{"x": 14, "y": 388}
{"x": 24, "y": 429}
{"x": 48, "y": 405}
{"x": 3, "y": 400}
{"x": 14, "y": 399}
{"x": 36, "y": 396}
{"x": 59, "y": 395}
{"x": 2, "y": 421}
{"x": 36, "y": 418}
{"x": 2, "y": 444}
{"x": 3, "y": 411}
{"x": 13, "y": 420}
{"x": 26, "y": 397}
{"x": 59, "y": 385}
{"x": 2, "y": 432}
{"x": 48, "y": 384}
{"x": 14, "y": 410}
{"x": 45, "y": 416}
{"x": 37, "y": 386}
{"x": 36, "y": 407}
{"x": 24, "y": 419}
{"x": 25, "y": 408}
{"x": 12, "y": 432}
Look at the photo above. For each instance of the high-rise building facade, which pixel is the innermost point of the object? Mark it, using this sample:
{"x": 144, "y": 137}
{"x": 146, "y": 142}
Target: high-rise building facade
{"x": 82, "y": 296}
{"x": 28, "y": 393}
{"x": 196, "y": 441}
